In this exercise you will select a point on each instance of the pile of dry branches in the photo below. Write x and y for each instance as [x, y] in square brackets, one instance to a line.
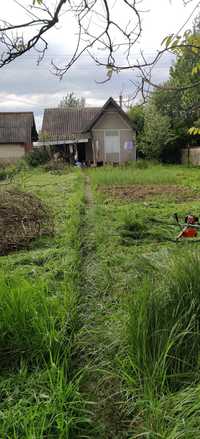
[23, 218]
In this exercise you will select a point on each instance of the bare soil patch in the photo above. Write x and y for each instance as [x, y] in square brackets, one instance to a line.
[23, 217]
[146, 192]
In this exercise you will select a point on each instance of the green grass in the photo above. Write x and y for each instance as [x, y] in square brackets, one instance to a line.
[162, 366]
[164, 322]
[99, 325]
[147, 314]
[42, 404]
[39, 293]
[155, 174]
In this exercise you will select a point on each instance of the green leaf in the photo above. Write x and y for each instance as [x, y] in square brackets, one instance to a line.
[195, 50]
[167, 40]
[109, 71]
[196, 69]
[37, 1]
[194, 131]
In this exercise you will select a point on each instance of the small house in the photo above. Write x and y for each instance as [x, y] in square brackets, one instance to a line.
[17, 133]
[97, 134]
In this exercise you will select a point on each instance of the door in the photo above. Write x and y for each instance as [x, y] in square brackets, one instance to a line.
[112, 145]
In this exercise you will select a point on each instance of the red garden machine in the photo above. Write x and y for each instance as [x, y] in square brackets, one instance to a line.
[189, 229]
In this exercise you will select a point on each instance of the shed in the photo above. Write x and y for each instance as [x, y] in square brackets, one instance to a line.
[17, 133]
[100, 134]
[191, 155]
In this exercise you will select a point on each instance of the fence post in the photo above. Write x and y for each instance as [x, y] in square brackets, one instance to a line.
[188, 155]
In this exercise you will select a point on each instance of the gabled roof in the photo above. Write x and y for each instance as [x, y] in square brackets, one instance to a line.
[17, 127]
[102, 110]
[70, 123]
[62, 123]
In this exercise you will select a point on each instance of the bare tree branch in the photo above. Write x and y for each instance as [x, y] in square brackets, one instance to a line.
[113, 34]
[107, 38]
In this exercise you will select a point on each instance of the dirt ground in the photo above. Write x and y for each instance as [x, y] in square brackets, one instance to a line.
[145, 192]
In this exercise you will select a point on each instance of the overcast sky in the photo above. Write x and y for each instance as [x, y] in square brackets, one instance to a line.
[24, 86]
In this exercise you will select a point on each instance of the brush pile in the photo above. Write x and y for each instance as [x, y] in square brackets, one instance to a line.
[23, 217]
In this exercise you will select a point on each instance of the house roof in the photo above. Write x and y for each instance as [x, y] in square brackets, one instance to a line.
[18, 127]
[68, 123]
[62, 123]
[109, 102]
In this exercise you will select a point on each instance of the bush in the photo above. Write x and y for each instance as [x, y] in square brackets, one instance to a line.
[142, 164]
[21, 165]
[37, 157]
[7, 171]
[55, 166]
[3, 174]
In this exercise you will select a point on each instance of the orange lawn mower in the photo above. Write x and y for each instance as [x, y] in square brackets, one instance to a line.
[189, 229]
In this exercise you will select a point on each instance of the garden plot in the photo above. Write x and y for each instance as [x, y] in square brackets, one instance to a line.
[139, 192]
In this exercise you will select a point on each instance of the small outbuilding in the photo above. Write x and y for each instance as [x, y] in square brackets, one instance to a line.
[98, 135]
[191, 156]
[17, 134]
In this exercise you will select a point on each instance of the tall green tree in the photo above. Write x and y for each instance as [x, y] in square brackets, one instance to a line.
[136, 115]
[178, 103]
[71, 100]
[184, 76]
[157, 137]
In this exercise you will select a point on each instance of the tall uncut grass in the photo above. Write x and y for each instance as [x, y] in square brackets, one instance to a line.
[150, 175]
[39, 292]
[40, 405]
[155, 174]
[164, 349]
[32, 320]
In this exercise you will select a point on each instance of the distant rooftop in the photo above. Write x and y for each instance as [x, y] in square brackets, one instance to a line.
[60, 123]
[17, 127]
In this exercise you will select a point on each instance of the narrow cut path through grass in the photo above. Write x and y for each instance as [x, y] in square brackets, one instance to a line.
[100, 386]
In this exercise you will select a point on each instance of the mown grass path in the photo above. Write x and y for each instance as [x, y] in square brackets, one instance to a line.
[100, 385]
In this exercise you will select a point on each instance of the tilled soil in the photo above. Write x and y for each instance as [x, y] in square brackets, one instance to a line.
[143, 192]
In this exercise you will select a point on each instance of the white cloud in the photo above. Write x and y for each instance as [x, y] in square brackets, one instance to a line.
[24, 86]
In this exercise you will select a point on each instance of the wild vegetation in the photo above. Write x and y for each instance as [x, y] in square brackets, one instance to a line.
[100, 322]
[39, 293]
[147, 288]
[169, 119]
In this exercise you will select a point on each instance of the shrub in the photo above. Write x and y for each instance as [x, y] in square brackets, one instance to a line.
[7, 171]
[21, 165]
[37, 157]
[142, 164]
[3, 174]
[55, 166]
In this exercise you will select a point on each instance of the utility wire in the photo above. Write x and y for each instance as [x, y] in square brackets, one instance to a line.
[26, 9]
